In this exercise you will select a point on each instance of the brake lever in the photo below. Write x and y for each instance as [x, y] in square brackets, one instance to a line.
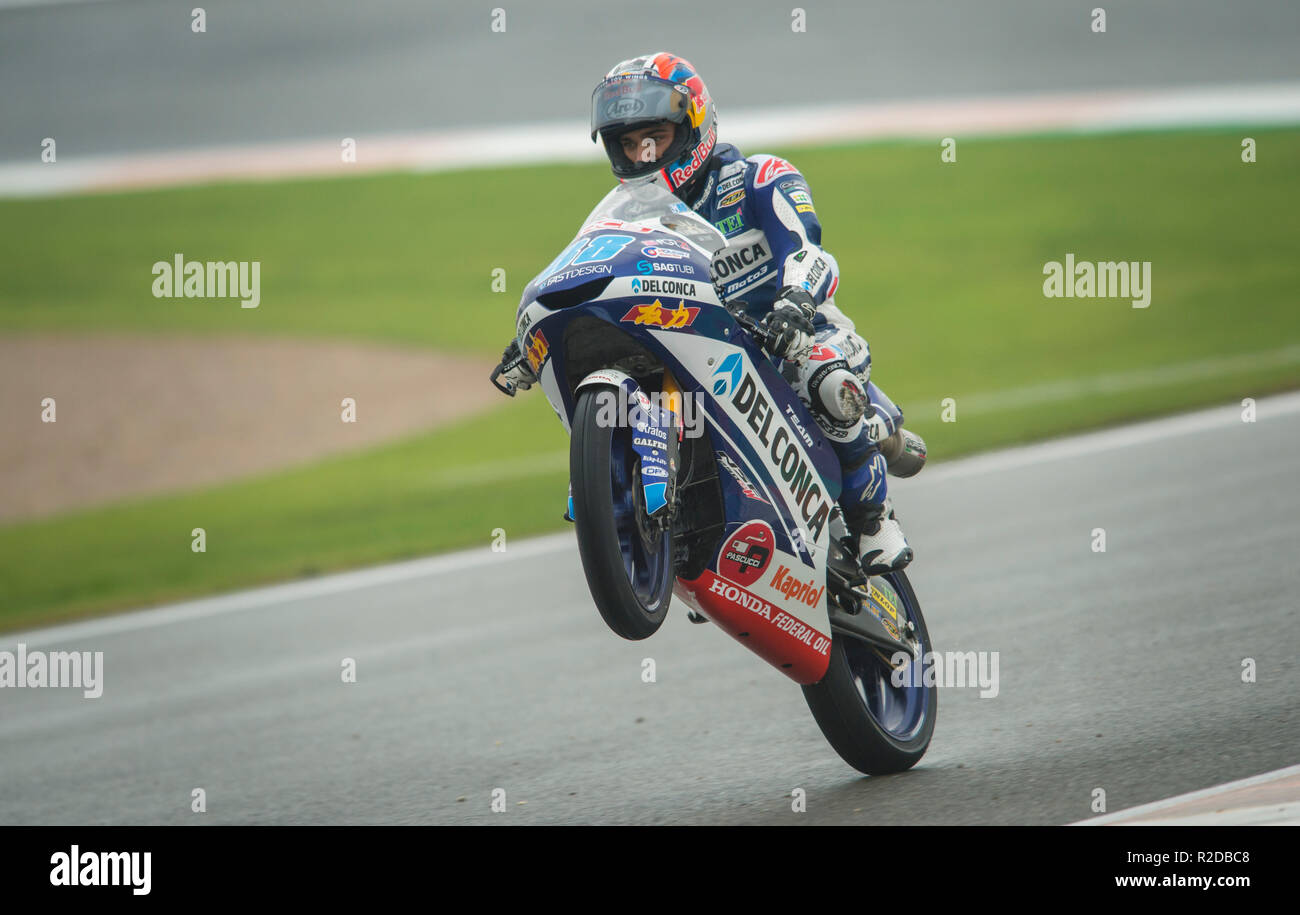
[737, 310]
[507, 388]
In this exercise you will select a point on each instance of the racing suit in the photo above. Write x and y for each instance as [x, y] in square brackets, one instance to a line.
[764, 208]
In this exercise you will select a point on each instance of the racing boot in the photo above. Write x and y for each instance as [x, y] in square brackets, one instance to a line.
[879, 538]
[869, 514]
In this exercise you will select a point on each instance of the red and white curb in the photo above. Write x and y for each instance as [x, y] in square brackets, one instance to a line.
[1271, 799]
[1247, 106]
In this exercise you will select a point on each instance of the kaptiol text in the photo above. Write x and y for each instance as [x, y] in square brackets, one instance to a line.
[1101, 280]
[103, 868]
[180, 278]
[23, 669]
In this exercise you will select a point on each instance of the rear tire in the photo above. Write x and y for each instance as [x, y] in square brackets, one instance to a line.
[840, 706]
[629, 574]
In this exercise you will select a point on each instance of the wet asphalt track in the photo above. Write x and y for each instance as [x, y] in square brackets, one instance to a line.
[1118, 670]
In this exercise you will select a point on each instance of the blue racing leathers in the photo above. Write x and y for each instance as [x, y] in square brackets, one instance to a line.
[764, 207]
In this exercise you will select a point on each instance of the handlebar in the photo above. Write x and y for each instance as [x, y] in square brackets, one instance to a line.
[737, 310]
[506, 388]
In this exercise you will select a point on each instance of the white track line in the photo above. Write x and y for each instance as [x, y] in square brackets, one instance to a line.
[994, 462]
[1109, 439]
[286, 593]
[1123, 382]
[568, 141]
[1141, 813]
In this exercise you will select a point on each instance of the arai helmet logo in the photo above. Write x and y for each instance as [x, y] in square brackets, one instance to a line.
[730, 376]
[624, 108]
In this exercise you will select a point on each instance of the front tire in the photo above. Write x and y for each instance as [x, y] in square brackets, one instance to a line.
[874, 726]
[626, 557]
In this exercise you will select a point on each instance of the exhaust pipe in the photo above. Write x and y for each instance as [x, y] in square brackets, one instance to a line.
[904, 452]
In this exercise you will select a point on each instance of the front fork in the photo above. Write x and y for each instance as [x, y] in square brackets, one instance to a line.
[657, 433]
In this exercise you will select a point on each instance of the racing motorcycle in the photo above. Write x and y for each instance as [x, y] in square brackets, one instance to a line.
[734, 513]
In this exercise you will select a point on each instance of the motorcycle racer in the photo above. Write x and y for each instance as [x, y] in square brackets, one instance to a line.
[658, 123]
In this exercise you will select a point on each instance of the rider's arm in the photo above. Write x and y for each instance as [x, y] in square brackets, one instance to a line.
[784, 205]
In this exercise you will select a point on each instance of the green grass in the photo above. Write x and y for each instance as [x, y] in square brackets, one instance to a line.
[941, 268]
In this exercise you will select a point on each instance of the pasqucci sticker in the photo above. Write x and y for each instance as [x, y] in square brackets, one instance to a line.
[745, 555]
[656, 315]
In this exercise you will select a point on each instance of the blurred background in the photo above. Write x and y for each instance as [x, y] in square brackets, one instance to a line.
[472, 156]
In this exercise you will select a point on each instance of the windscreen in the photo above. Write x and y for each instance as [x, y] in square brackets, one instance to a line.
[646, 202]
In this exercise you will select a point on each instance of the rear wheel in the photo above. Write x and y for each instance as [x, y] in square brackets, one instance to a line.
[626, 555]
[877, 727]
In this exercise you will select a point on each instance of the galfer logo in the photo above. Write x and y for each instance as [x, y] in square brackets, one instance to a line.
[730, 372]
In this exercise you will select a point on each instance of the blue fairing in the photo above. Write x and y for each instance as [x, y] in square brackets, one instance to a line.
[653, 286]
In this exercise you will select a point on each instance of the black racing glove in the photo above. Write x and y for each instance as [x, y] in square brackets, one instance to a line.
[788, 325]
[515, 368]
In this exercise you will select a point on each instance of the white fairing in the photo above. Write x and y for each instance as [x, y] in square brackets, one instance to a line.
[702, 356]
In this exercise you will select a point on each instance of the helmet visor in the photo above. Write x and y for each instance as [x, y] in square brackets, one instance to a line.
[636, 99]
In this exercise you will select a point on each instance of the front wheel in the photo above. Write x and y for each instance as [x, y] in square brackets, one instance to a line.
[626, 555]
[875, 723]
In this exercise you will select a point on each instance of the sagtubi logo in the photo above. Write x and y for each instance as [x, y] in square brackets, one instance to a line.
[686, 268]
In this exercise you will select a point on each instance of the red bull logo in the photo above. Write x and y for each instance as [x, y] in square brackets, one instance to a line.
[680, 175]
[536, 351]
